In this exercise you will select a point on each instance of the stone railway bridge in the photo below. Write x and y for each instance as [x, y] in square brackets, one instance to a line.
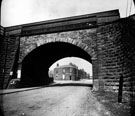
[103, 39]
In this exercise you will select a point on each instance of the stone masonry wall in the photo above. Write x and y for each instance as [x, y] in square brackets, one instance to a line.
[128, 48]
[109, 55]
[116, 55]
[85, 39]
[8, 53]
[2, 54]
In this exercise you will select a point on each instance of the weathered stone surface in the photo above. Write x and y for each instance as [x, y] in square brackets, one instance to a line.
[80, 38]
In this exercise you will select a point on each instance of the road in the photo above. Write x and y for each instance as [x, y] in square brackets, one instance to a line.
[63, 99]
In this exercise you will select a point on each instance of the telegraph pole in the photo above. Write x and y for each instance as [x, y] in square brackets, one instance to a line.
[120, 89]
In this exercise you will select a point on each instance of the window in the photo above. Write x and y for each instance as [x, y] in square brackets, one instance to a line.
[64, 70]
[56, 71]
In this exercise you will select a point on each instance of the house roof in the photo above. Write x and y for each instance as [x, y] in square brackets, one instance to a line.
[67, 66]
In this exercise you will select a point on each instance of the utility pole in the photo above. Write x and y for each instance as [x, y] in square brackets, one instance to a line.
[120, 89]
[134, 2]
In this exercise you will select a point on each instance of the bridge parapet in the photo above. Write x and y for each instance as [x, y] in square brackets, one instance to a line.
[64, 24]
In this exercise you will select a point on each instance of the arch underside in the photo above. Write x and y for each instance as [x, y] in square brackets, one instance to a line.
[36, 64]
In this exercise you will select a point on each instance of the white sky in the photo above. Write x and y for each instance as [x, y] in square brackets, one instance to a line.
[81, 63]
[15, 12]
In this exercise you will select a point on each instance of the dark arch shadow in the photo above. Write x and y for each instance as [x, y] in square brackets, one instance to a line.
[36, 64]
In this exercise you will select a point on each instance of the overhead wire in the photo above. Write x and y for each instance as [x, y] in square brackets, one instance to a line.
[127, 8]
[130, 8]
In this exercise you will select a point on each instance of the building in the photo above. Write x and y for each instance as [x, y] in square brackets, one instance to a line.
[66, 72]
[69, 72]
[82, 74]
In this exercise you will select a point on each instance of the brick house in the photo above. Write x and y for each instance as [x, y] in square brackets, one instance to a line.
[66, 72]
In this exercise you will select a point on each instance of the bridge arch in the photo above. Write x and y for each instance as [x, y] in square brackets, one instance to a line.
[36, 63]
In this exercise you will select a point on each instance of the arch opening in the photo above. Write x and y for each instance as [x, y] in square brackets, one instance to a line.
[36, 64]
[68, 67]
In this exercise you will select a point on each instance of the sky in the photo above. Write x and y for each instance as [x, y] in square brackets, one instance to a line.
[81, 63]
[15, 12]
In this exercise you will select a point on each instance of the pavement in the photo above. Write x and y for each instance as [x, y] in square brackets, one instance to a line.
[10, 91]
[56, 82]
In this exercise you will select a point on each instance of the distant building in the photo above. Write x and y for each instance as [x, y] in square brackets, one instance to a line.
[69, 72]
[82, 74]
[66, 72]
